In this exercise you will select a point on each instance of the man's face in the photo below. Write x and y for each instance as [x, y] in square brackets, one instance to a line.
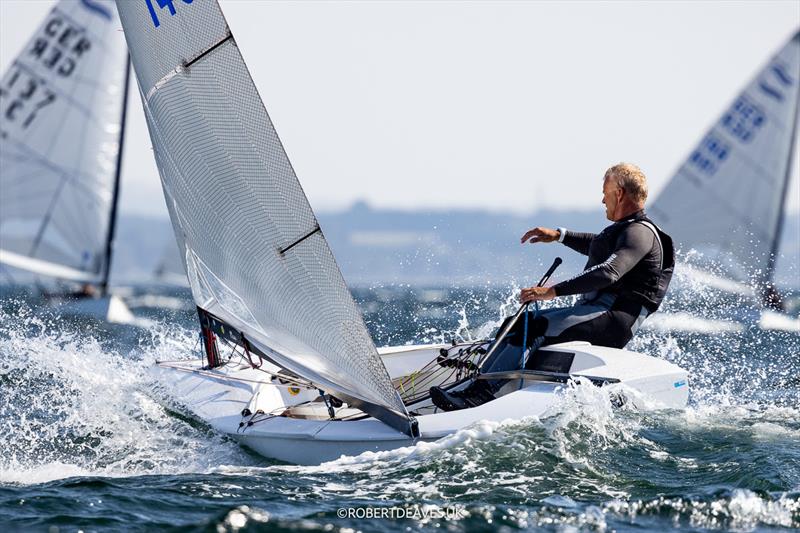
[612, 194]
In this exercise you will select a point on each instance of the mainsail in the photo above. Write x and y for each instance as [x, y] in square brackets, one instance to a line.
[253, 249]
[62, 105]
[729, 196]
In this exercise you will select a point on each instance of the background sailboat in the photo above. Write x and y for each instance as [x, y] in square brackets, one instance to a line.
[62, 118]
[727, 200]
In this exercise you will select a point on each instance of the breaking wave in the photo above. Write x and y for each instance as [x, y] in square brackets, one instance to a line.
[74, 404]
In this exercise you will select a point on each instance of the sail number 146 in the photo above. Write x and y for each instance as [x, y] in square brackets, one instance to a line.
[169, 4]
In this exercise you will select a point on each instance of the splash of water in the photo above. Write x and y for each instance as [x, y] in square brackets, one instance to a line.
[71, 405]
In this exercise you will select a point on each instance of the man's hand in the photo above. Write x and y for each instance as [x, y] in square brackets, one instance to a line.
[532, 294]
[540, 235]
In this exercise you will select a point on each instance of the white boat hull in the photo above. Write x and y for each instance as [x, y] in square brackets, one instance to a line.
[219, 397]
[108, 308]
[773, 320]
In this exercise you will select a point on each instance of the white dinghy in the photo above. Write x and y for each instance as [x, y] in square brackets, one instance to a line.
[728, 199]
[289, 368]
[62, 119]
[288, 420]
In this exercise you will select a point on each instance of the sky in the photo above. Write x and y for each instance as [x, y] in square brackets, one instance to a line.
[508, 106]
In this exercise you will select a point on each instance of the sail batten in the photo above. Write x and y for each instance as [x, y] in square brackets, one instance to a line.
[61, 105]
[236, 205]
[727, 199]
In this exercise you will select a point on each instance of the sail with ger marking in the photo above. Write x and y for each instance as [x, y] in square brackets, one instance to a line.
[728, 197]
[254, 254]
[61, 114]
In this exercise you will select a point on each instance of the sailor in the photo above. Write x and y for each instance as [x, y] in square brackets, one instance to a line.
[629, 268]
[87, 290]
[772, 299]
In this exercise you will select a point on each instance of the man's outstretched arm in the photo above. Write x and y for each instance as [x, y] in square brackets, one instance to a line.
[632, 245]
[577, 241]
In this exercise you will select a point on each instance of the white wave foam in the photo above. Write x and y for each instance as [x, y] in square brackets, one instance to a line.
[72, 406]
[778, 321]
[686, 322]
[747, 423]
[41, 473]
[742, 510]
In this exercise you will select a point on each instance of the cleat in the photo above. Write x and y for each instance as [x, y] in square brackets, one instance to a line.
[476, 393]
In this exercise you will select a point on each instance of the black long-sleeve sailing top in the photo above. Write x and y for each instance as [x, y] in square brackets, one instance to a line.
[627, 258]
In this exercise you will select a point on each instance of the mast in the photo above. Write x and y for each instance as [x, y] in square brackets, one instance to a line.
[771, 296]
[115, 198]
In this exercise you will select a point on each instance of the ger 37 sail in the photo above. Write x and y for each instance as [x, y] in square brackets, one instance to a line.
[62, 118]
[728, 199]
[290, 369]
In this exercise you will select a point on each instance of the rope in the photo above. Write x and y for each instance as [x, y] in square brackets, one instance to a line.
[444, 369]
[525, 348]
[255, 418]
[246, 356]
[331, 412]
[524, 343]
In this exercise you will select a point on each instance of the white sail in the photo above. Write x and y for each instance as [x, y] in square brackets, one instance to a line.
[253, 250]
[727, 199]
[61, 106]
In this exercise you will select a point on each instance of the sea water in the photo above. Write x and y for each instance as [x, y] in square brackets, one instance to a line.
[90, 441]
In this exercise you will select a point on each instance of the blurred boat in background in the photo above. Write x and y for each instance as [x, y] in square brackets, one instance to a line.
[62, 123]
[725, 207]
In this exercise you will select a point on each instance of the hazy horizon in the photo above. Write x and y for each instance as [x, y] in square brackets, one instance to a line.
[509, 107]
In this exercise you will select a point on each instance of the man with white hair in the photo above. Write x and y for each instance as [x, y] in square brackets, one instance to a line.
[629, 268]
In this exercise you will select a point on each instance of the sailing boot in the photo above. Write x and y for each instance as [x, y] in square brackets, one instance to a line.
[476, 393]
